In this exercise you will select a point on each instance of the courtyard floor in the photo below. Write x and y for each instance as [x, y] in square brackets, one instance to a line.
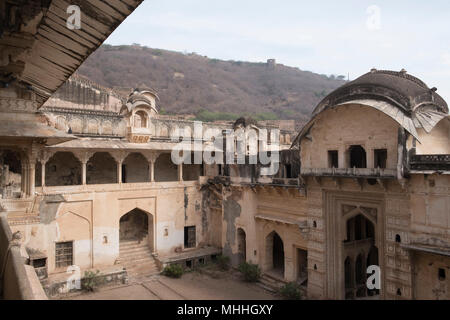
[195, 285]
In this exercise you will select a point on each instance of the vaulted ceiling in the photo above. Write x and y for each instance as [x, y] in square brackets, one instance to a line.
[37, 49]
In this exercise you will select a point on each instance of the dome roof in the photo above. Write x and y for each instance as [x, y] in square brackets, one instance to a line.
[403, 97]
[140, 97]
[398, 88]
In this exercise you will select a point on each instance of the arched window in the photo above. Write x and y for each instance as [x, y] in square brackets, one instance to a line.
[140, 119]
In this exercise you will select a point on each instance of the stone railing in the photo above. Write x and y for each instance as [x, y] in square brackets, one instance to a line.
[430, 162]
[114, 187]
[285, 182]
[17, 280]
[22, 205]
[350, 172]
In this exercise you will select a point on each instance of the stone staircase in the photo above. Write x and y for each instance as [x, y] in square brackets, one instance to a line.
[271, 283]
[21, 211]
[137, 258]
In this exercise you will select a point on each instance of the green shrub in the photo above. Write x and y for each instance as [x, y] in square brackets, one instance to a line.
[223, 262]
[291, 291]
[173, 271]
[91, 280]
[250, 271]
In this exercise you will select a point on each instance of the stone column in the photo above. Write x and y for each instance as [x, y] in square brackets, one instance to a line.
[43, 163]
[43, 159]
[83, 172]
[151, 174]
[32, 177]
[180, 172]
[151, 158]
[119, 171]
[23, 174]
[30, 168]
[83, 156]
[119, 156]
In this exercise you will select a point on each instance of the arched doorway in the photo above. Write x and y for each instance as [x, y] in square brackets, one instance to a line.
[242, 245]
[360, 252]
[10, 174]
[134, 225]
[135, 168]
[136, 243]
[348, 274]
[275, 254]
[63, 169]
[357, 157]
[372, 260]
[101, 169]
[165, 169]
[360, 276]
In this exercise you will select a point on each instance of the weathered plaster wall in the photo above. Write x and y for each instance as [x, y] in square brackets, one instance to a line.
[428, 285]
[430, 209]
[339, 128]
[435, 142]
[91, 219]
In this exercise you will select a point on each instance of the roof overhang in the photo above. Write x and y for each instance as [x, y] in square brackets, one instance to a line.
[29, 130]
[443, 251]
[39, 51]
[422, 118]
[117, 144]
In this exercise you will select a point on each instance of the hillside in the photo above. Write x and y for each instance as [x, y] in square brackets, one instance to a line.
[210, 88]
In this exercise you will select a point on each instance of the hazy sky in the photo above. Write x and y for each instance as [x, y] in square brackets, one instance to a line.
[323, 36]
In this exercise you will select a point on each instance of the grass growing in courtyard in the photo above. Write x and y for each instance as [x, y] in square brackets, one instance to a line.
[91, 281]
[291, 291]
[251, 271]
[173, 271]
[223, 262]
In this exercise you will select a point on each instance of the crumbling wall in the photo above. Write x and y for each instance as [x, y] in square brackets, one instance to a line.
[192, 172]
[428, 285]
[437, 141]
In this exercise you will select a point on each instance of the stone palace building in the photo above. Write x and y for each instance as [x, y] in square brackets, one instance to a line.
[87, 179]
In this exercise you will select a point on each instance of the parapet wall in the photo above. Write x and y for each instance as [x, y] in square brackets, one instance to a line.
[16, 282]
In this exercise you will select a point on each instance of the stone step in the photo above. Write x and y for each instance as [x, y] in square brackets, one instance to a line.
[144, 269]
[270, 288]
[135, 256]
[134, 244]
[136, 261]
[134, 249]
[271, 283]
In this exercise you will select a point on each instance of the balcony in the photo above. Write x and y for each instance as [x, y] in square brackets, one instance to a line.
[368, 173]
[430, 162]
[138, 135]
[259, 182]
